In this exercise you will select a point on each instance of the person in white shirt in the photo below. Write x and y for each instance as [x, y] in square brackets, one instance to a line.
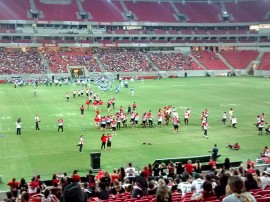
[18, 124]
[37, 122]
[184, 186]
[234, 121]
[130, 172]
[80, 144]
[197, 183]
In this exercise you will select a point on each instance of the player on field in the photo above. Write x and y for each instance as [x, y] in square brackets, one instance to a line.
[74, 93]
[175, 124]
[109, 142]
[37, 122]
[82, 110]
[160, 117]
[67, 96]
[132, 90]
[224, 118]
[186, 117]
[60, 122]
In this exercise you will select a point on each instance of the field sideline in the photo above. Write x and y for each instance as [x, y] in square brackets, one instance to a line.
[46, 151]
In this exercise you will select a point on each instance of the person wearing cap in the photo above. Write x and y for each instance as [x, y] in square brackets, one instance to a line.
[72, 193]
[265, 179]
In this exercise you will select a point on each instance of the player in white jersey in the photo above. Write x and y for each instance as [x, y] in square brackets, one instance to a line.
[224, 118]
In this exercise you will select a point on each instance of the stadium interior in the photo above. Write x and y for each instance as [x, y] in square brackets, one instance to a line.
[142, 38]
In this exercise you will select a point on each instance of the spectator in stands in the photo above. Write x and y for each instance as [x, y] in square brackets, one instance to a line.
[73, 192]
[140, 186]
[265, 179]
[90, 178]
[152, 187]
[75, 176]
[25, 197]
[236, 146]
[122, 174]
[38, 195]
[212, 164]
[13, 184]
[206, 193]
[220, 189]
[250, 182]
[130, 172]
[33, 185]
[197, 183]
[197, 166]
[117, 188]
[184, 186]
[23, 186]
[164, 194]
[103, 193]
[227, 164]
[235, 191]
[188, 167]
[10, 197]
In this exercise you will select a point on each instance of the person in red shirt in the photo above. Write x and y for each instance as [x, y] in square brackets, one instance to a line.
[100, 103]
[75, 176]
[87, 103]
[103, 141]
[236, 146]
[33, 185]
[134, 106]
[55, 181]
[97, 121]
[212, 164]
[95, 103]
[188, 167]
[114, 176]
[249, 162]
[82, 110]
[13, 184]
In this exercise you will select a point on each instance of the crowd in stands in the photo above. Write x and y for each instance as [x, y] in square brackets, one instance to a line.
[172, 61]
[21, 62]
[58, 60]
[174, 182]
[16, 61]
[123, 61]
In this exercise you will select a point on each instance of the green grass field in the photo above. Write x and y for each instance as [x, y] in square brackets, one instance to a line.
[46, 151]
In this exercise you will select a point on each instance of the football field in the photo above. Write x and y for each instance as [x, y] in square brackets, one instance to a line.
[46, 151]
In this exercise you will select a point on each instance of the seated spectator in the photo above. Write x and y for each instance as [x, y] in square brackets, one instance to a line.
[235, 191]
[250, 182]
[236, 146]
[152, 187]
[103, 193]
[206, 193]
[72, 193]
[48, 197]
[164, 194]
[25, 197]
[90, 178]
[10, 197]
[117, 188]
[139, 186]
[220, 189]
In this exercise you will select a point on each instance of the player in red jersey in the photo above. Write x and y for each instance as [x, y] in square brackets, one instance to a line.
[134, 106]
[160, 117]
[82, 110]
[87, 103]
[97, 121]
[100, 103]
[95, 103]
